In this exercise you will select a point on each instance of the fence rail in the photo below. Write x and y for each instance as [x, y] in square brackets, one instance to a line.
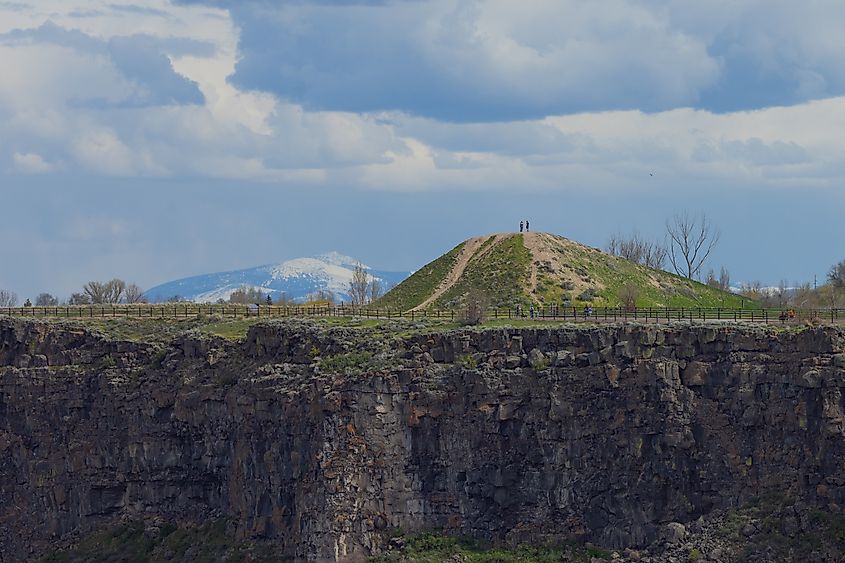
[571, 314]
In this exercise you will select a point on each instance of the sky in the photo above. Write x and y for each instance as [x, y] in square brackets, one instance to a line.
[157, 139]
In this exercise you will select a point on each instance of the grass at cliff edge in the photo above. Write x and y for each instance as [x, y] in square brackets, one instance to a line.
[433, 548]
[136, 542]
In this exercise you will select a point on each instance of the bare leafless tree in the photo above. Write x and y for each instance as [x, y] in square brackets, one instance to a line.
[322, 296]
[723, 282]
[8, 298]
[246, 294]
[375, 289]
[711, 279]
[105, 292]
[79, 299]
[724, 279]
[803, 295]
[359, 285]
[836, 275]
[780, 295]
[691, 240]
[46, 300]
[134, 294]
[636, 248]
[284, 299]
[752, 290]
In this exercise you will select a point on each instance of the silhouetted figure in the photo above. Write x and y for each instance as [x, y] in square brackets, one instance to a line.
[526, 226]
[520, 226]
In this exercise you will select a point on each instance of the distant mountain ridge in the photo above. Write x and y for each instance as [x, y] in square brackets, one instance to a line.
[297, 279]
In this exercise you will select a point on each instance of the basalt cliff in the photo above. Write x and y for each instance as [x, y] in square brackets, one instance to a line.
[322, 440]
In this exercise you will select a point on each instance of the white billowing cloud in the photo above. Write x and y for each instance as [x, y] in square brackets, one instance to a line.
[86, 86]
[785, 144]
[31, 163]
[102, 151]
[551, 54]
[84, 76]
[795, 145]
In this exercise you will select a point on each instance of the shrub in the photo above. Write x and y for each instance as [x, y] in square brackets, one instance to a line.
[340, 363]
[628, 296]
[158, 358]
[467, 361]
[541, 364]
[588, 294]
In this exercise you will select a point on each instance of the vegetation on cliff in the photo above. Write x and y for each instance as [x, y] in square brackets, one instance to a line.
[433, 548]
[138, 542]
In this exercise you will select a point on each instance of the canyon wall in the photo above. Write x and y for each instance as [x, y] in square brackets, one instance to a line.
[323, 440]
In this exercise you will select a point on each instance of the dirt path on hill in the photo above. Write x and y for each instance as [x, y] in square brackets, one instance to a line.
[464, 256]
[539, 245]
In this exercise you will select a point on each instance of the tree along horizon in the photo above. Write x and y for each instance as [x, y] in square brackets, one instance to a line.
[364, 288]
[691, 240]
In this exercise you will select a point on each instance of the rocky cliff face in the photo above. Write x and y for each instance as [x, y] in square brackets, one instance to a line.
[322, 440]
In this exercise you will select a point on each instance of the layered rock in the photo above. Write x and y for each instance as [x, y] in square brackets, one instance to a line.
[322, 440]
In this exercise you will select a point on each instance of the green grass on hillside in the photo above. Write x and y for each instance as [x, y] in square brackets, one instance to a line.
[500, 270]
[432, 548]
[615, 273]
[421, 284]
[501, 274]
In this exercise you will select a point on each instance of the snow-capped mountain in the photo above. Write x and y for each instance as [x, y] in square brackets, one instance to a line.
[297, 279]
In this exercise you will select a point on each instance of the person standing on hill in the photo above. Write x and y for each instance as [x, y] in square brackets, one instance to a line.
[520, 226]
[526, 226]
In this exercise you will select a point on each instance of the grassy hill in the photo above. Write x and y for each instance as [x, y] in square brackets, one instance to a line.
[544, 269]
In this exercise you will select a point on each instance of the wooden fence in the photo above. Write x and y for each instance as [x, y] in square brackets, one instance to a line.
[570, 314]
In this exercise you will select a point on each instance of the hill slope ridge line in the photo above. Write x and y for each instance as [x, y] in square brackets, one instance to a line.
[510, 269]
[461, 261]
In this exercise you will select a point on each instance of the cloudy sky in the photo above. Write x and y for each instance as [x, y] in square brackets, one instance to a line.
[158, 139]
